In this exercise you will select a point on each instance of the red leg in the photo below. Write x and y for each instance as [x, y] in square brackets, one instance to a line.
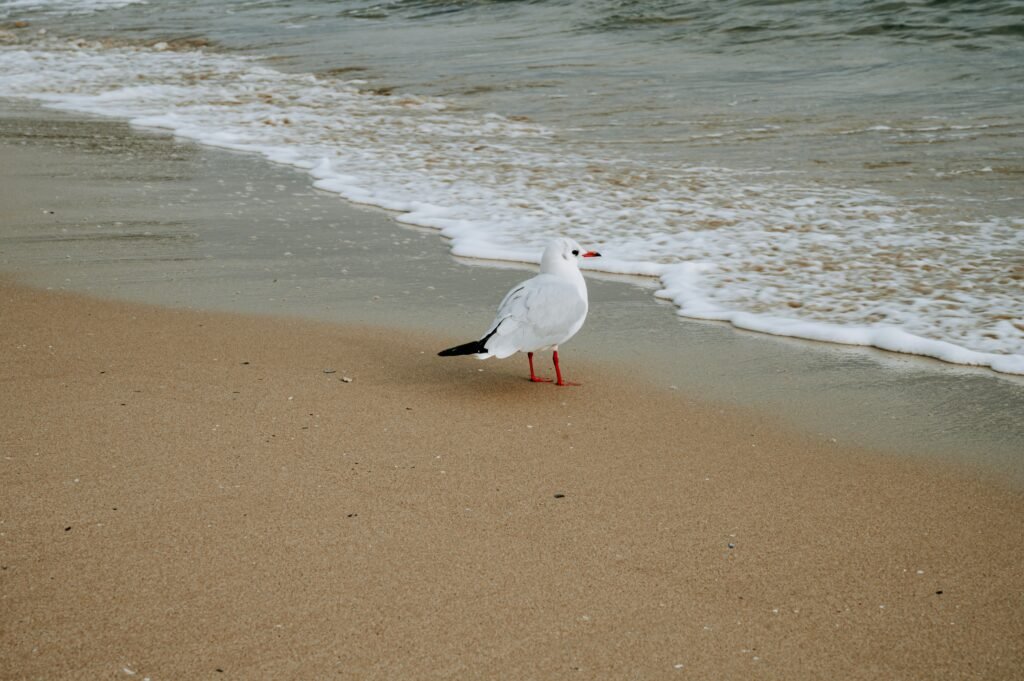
[558, 371]
[533, 376]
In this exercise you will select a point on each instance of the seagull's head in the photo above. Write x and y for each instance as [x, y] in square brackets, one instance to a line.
[563, 251]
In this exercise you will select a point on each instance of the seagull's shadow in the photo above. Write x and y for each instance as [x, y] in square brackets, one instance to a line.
[508, 379]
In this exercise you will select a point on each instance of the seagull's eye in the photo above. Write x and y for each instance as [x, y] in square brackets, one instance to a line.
[575, 252]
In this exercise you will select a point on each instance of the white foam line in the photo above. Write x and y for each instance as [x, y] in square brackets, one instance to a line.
[682, 287]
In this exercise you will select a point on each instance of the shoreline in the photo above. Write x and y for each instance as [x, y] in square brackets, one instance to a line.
[191, 489]
[141, 216]
[843, 241]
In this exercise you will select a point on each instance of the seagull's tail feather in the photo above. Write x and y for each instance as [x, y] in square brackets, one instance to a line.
[472, 348]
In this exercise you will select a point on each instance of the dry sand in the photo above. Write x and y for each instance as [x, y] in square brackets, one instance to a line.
[195, 495]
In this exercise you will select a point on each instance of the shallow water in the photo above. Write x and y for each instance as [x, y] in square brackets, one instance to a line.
[847, 172]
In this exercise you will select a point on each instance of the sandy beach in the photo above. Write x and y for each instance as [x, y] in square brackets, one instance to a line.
[211, 494]
[186, 493]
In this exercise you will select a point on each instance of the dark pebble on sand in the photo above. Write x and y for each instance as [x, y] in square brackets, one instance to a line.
[559, 496]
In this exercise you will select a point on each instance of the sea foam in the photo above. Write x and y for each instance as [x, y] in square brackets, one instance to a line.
[756, 249]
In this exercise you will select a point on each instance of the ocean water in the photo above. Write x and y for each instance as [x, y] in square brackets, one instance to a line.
[849, 172]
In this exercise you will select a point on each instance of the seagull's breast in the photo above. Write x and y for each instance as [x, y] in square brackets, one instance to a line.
[559, 310]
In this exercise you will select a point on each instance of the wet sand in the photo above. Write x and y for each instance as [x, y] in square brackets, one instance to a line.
[193, 494]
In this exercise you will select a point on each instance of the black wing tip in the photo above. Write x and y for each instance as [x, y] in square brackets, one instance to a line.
[471, 348]
[465, 349]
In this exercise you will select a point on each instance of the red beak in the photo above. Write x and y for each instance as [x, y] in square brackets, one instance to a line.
[591, 254]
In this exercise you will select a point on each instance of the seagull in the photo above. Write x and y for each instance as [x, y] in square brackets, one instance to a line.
[540, 313]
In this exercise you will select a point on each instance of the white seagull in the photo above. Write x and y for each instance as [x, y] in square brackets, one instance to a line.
[540, 313]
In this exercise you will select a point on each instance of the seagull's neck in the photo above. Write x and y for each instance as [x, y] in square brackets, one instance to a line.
[566, 270]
